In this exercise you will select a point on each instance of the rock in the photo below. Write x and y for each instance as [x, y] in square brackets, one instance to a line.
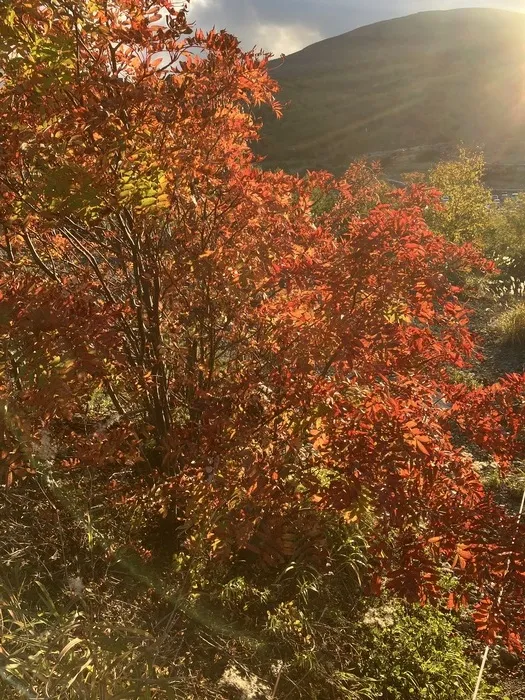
[248, 686]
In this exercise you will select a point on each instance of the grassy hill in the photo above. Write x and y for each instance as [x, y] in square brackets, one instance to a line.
[431, 78]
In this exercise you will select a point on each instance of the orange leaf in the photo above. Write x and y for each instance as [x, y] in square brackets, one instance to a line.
[421, 447]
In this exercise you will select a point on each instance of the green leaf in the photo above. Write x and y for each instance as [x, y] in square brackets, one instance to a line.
[148, 202]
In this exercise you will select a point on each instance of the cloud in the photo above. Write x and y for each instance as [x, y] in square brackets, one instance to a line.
[285, 39]
[279, 27]
[285, 26]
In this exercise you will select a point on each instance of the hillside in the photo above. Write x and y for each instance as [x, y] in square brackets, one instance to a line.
[434, 77]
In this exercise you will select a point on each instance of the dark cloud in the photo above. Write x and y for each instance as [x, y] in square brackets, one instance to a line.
[288, 25]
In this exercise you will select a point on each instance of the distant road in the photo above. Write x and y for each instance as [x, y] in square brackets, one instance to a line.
[508, 191]
[396, 182]
[496, 193]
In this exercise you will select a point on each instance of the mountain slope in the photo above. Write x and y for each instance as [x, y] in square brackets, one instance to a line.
[433, 77]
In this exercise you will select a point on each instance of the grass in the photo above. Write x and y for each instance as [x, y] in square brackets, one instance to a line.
[510, 326]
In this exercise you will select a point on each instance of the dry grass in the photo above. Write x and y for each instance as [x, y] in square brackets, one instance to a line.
[510, 326]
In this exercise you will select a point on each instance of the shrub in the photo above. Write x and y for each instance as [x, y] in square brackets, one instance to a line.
[416, 652]
[466, 216]
[264, 364]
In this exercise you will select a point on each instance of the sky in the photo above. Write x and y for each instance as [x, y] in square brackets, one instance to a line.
[285, 26]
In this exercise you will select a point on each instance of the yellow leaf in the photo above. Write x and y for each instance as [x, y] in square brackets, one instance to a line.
[163, 201]
[207, 254]
[349, 517]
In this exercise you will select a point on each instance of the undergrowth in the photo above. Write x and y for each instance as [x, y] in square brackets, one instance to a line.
[84, 614]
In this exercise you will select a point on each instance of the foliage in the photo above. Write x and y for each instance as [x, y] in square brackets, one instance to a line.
[505, 237]
[466, 216]
[416, 652]
[82, 619]
[505, 242]
[78, 653]
[227, 359]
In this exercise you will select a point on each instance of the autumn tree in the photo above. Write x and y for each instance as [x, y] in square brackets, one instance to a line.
[466, 214]
[505, 240]
[266, 363]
